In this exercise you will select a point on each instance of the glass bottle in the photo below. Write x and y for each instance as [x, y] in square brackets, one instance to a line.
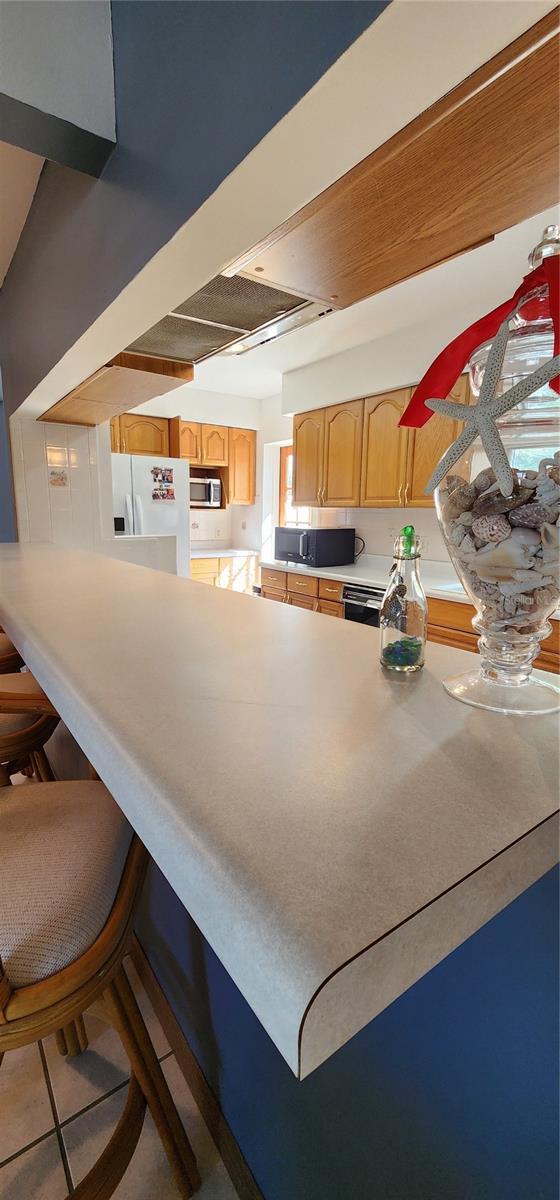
[507, 551]
[403, 616]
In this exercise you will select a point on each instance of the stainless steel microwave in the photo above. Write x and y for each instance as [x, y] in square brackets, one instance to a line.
[205, 493]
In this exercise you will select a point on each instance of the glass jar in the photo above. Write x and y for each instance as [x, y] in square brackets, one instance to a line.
[403, 616]
[506, 549]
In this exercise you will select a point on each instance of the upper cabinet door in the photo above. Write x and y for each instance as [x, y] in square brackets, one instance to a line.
[215, 445]
[309, 441]
[115, 434]
[242, 466]
[342, 455]
[185, 439]
[426, 446]
[143, 434]
[384, 450]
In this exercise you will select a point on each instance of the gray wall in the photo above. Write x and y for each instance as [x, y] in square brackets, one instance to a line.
[58, 57]
[197, 85]
[7, 506]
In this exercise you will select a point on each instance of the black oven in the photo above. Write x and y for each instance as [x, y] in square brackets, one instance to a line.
[362, 603]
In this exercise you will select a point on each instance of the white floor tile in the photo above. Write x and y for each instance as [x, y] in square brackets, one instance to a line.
[148, 1174]
[37, 1174]
[24, 1100]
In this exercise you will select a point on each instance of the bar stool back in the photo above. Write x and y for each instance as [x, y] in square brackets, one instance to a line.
[27, 720]
[63, 952]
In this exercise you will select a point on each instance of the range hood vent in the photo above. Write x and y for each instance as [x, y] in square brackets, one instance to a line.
[232, 314]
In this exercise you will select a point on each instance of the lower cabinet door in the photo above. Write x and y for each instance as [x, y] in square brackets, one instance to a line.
[273, 594]
[302, 602]
[330, 608]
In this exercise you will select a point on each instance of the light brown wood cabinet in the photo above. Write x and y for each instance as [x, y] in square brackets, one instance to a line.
[302, 591]
[215, 445]
[327, 456]
[135, 433]
[242, 466]
[185, 440]
[426, 446]
[309, 442]
[237, 574]
[449, 621]
[342, 455]
[368, 460]
[384, 450]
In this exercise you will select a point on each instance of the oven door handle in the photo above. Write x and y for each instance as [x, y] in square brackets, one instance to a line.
[363, 603]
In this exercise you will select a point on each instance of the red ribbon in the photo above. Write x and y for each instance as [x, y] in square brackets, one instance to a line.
[436, 384]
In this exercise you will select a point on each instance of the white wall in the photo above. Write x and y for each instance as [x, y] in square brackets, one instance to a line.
[215, 408]
[59, 58]
[79, 515]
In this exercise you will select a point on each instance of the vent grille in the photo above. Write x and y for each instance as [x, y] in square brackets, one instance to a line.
[186, 341]
[240, 303]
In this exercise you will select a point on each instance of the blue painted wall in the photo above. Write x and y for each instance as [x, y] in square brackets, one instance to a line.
[197, 86]
[450, 1094]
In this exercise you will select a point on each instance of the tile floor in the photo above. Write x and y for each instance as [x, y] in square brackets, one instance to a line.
[58, 1114]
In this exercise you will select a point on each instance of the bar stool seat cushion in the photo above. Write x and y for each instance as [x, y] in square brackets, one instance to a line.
[62, 854]
[13, 722]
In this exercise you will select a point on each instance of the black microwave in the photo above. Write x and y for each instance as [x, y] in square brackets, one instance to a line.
[314, 547]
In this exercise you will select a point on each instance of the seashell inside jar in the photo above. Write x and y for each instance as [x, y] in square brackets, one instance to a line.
[506, 551]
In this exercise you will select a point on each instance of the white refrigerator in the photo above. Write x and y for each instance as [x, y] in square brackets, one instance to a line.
[151, 498]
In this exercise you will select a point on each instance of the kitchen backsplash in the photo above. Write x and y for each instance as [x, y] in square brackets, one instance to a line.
[208, 526]
[380, 526]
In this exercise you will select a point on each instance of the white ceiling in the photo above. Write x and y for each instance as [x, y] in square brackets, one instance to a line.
[19, 176]
[479, 279]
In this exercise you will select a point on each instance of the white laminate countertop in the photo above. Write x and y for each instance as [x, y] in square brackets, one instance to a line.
[334, 831]
[221, 552]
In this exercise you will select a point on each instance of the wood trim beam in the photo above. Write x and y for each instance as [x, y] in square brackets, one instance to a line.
[446, 182]
[159, 366]
[52, 137]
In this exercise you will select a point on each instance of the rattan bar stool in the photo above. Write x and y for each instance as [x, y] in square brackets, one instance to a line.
[66, 919]
[10, 658]
[27, 720]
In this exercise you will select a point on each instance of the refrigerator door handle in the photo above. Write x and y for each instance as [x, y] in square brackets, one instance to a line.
[128, 517]
[138, 515]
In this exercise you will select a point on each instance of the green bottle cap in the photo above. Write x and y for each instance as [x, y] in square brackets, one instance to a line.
[406, 545]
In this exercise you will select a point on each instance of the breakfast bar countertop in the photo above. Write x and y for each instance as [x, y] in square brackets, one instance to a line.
[333, 831]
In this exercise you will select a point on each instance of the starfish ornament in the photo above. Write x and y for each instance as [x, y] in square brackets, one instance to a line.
[480, 419]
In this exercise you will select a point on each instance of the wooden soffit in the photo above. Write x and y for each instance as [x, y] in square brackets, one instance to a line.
[124, 383]
[479, 161]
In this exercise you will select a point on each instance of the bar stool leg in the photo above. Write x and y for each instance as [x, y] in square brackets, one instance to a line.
[128, 1020]
[42, 766]
[72, 1039]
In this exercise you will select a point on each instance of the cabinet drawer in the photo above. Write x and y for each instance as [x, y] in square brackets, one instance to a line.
[304, 585]
[204, 566]
[273, 594]
[330, 608]
[302, 601]
[330, 589]
[273, 579]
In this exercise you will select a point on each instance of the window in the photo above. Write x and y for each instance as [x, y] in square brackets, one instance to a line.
[289, 513]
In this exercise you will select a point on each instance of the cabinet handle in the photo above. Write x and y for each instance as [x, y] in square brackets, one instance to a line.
[406, 493]
[318, 495]
[400, 493]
